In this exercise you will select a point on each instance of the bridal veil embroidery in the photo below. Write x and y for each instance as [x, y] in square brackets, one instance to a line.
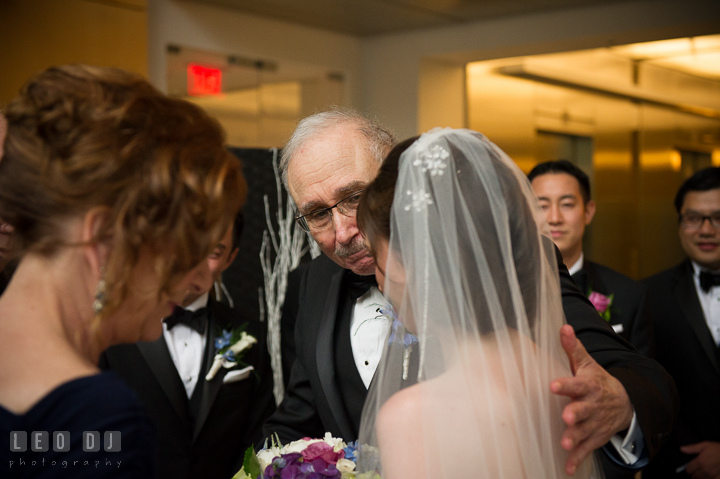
[472, 275]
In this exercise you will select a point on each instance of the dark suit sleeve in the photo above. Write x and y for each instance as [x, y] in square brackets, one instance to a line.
[297, 415]
[263, 399]
[641, 334]
[650, 388]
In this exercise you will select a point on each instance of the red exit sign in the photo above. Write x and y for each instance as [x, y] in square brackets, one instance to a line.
[203, 80]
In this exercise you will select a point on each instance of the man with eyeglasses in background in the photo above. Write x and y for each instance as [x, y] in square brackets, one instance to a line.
[684, 304]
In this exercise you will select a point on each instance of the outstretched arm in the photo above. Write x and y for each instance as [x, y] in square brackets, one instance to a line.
[600, 406]
[650, 389]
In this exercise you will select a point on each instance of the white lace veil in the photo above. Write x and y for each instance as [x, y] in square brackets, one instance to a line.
[471, 276]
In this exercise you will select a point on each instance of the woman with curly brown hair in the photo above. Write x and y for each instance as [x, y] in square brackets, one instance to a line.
[115, 193]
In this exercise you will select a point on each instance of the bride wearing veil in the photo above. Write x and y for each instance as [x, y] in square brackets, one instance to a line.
[462, 255]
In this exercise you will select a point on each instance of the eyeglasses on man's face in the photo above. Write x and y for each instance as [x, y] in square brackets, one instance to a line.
[320, 220]
[694, 221]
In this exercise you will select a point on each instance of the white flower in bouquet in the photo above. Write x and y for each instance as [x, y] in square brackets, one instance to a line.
[335, 442]
[297, 446]
[345, 465]
[265, 456]
[329, 457]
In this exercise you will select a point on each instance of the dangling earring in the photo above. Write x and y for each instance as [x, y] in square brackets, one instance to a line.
[100, 297]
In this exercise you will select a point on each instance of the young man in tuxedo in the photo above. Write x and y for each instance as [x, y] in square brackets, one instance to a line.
[684, 304]
[329, 159]
[563, 191]
[203, 425]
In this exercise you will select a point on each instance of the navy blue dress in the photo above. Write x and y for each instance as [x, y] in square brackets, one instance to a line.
[94, 404]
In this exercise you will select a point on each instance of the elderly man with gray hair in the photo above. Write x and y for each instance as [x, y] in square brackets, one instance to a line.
[339, 333]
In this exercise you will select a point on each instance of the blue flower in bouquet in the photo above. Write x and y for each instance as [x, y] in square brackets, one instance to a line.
[351, 451]
[229, 355]
[302, 459]
[291, 466]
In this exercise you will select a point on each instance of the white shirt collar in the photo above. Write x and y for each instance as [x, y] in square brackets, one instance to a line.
[697, 269]
[578, 264]
[201, 302]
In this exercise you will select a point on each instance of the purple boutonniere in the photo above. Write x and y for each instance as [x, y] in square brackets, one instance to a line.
[602, 303]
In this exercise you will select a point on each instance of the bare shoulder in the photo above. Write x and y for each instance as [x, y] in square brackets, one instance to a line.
[401, 406]
[400, 435]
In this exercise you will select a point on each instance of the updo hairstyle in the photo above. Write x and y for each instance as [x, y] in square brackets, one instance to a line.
[82, 137]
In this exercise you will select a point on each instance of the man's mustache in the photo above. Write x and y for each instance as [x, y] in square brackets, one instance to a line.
[346, 250]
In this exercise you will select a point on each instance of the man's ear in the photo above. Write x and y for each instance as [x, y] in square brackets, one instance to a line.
[589, 212]
[230, 258]
[94, 237]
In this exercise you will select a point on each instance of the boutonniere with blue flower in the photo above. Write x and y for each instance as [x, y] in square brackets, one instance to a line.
[398, 334]
[230, 347]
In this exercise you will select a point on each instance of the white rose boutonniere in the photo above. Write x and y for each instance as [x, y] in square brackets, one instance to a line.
[229, 349]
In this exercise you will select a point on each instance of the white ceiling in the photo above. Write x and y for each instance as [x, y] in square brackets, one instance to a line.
[373, 17]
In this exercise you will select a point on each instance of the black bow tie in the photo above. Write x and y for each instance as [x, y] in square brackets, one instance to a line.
[358, 285]
[708, 280]
[191, 319]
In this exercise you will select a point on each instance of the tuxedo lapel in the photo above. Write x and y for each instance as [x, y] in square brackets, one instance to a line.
[686, 295]
[157, 355]
[593, 280]
[581, 280]
[325, 355]
[210, 388]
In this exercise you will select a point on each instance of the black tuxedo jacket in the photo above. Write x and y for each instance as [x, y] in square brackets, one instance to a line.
[628, 308]
[685, 347]
[313, 402]
[287, 320]
[230, 416]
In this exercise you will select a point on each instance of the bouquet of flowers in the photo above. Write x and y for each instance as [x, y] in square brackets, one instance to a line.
[307, 458]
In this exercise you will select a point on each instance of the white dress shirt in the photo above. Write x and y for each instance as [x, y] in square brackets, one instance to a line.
[368, 333]
[710, 303]
[578, 264]
[186, 348]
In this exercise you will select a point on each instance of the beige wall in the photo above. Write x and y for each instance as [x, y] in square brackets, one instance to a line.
[634, 164]
[392, 65]
[230, 32]
[37, 34]
[403, 78]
